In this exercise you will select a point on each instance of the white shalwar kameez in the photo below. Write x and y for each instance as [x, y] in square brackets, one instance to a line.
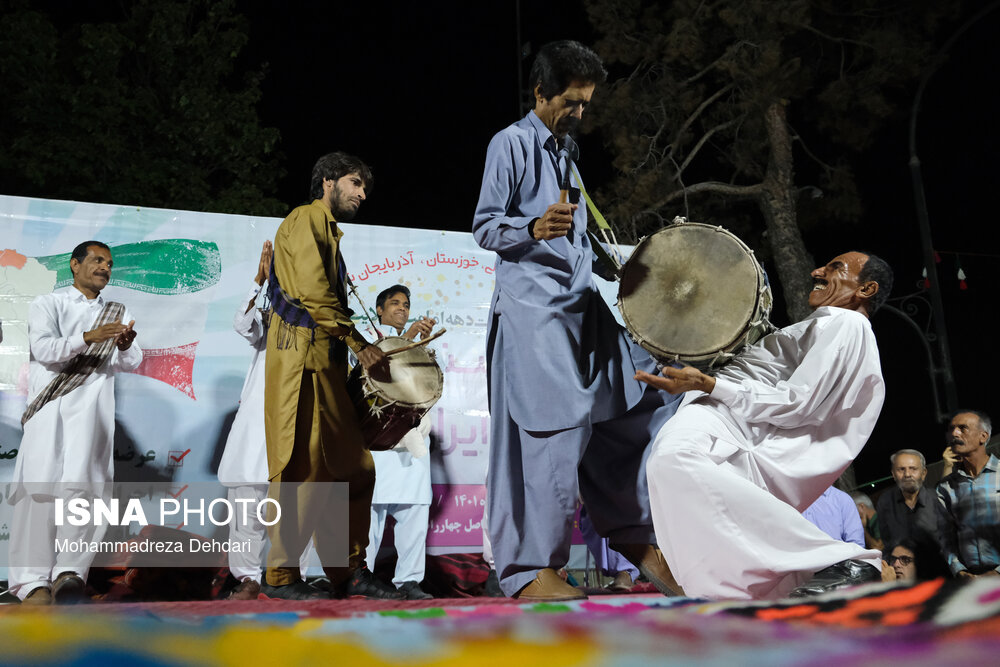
[243, 467]
[69, 441]
[403, 491]
[731, 472]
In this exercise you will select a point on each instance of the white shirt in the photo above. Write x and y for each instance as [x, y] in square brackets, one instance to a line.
[244, 460]
[71, 438]
[816, 384]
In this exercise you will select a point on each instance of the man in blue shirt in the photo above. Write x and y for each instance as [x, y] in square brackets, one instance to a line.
[563, 398]
[970, 498]
[835, 514]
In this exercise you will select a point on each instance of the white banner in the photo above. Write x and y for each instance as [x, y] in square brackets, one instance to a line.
[183, 274]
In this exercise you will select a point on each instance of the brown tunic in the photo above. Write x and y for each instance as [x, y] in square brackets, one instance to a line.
[310, 421]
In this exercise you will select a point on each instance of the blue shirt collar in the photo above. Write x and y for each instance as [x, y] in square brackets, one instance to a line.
[545, 137]
[992, 464]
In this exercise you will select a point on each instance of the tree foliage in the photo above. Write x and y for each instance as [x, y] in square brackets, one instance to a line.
[752, 113]
[151, 105]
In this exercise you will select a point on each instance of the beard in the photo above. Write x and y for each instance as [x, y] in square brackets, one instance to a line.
[343, 208]
[909, 485]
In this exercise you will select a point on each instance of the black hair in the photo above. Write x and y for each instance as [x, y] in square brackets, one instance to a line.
[80, 252]
[906, 543]
[384, 295]
[876, 270]
[922, 558]
[558, 64]
[334, 166]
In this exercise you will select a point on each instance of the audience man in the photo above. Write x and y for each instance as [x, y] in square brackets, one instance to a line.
[836, 515]
[970, 499]
[869, 520]
[910, 510]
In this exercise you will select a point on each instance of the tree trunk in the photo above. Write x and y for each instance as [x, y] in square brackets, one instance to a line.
[777, 203]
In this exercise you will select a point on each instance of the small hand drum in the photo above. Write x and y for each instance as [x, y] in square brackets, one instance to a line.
[388, 408]
[694, 293]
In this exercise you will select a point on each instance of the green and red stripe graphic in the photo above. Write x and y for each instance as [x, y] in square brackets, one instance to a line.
[164, 266]
[172, 365]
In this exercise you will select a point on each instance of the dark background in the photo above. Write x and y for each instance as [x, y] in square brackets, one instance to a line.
[418, 89]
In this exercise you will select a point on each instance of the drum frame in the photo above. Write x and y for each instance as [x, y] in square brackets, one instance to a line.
[753, 330]
[394, 418]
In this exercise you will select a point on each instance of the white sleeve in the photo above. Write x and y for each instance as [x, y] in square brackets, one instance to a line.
[249, 324]
[44, 341]
[415, 439]
[839, 371]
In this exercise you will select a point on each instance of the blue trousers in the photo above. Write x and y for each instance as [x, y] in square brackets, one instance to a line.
[535, 478]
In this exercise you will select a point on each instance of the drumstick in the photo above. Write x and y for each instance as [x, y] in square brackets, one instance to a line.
[415, 343]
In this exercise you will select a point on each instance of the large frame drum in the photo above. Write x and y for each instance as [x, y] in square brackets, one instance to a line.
[694, 293]
[388, 408]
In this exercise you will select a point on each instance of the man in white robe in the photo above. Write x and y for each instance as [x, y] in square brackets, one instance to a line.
[756, 444]
[68, 441]
[403, 473]
[243, 468]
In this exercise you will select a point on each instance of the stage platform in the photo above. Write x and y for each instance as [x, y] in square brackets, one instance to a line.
[930, 623]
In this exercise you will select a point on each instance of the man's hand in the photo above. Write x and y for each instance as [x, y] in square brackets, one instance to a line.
[264, 267]
[374, 361]
[678, 380]
[965, 574]
[125, 338]
[424, 326]
[106, 331]
[556, 222]
[949, 461]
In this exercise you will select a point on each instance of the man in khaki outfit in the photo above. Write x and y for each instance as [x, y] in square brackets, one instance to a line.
[312, 429]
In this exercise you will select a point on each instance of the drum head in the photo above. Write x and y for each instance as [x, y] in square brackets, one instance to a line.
[415, 378]
[689, 290]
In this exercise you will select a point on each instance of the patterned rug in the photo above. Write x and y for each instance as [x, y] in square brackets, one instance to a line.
[930, 623]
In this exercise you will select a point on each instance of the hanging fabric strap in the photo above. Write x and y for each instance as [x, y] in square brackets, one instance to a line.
[603, 256]
[80, 367]
[598, 218]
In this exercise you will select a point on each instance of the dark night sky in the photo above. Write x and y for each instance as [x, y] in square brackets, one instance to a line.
[418, 89]
[417, 93]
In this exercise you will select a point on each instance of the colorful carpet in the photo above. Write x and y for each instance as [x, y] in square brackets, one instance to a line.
[930, 623]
